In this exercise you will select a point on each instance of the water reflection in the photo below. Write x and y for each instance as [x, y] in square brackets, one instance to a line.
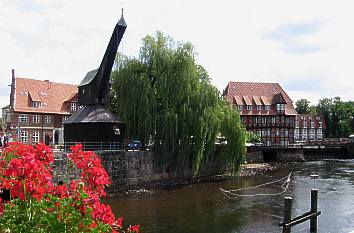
[203, 208]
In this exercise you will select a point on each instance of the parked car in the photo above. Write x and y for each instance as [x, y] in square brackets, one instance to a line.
[134, 145]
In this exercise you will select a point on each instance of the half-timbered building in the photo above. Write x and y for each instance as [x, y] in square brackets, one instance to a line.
[265, 109]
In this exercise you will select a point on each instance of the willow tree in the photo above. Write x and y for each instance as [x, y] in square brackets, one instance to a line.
[167, 100]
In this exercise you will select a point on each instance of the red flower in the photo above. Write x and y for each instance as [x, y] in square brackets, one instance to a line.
[134, 228]
[1, 207]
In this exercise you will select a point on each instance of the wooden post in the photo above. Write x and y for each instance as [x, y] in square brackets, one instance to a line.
[313, 220]
[288, 202]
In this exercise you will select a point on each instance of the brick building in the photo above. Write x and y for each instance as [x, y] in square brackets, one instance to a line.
[265, 109]
[308, 127]
[38, 108]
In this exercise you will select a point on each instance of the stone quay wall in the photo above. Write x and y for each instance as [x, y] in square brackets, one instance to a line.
[135, 170]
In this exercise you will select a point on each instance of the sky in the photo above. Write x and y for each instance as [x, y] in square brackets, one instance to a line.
[306, 46]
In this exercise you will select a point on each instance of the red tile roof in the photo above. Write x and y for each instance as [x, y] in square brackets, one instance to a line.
[265, 100]
[238, 100]
[51, 95]
[269, 93]
[256, 100]
[247, 100]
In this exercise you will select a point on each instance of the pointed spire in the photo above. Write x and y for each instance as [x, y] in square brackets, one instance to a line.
[122, 21]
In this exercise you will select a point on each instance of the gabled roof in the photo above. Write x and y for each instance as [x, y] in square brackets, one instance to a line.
[89, 77]
[269, 93]
[265, 100]
[92, 114]
[34, 96]
[51, 95]
[247, 100]
[238, 100]
[256, 100]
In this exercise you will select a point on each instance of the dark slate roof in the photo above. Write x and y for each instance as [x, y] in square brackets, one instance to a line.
[92, 114]
[122, 21]
[89, 77]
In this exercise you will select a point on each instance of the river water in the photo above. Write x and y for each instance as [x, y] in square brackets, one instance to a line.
[202, 208]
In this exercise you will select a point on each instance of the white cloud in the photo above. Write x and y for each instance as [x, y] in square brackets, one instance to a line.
[61, 40]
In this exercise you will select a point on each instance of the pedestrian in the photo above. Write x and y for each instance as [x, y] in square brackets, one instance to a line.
[1, 139]
[6, 139]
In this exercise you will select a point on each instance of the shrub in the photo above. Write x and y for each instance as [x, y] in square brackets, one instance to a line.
[36, 204]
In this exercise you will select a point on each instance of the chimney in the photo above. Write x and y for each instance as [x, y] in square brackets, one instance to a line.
[13, 90]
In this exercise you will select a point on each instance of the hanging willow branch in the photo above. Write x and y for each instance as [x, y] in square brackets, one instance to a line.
[166, 100]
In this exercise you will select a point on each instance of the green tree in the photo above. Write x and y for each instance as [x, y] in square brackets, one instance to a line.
[167, 100]
[338, 116]
[302, 106]
[253, 137]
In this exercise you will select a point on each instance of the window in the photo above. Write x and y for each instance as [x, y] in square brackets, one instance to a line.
[35, 136]
[312, 124]
[259, 132]
[36, 104]
[304, 131]
[22, 118]
[255, 120]
[23, 136]
[286, 132]
[47, 119]
[304, 136]
[320, 124]
[267, 107]
[277, 132]
[239, 107]
[305, 124]
[66, 117]
[35, 118]
[319, 136]
[249, 107]
[296, 131]
[268, 132]
[269, 143]
[280, 107]
[296, 124]
[312, 131]
[319, 131]
[73, 106]
[259, 107]
[273, 120]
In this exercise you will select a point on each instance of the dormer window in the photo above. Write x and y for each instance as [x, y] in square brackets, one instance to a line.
[267, 107]
[36, 104]
[280, 107]
[239, 107]
[249, 107]
[259, 107]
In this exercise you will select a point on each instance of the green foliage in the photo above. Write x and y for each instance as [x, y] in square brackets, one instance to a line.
[338, 116]
[166, 100]
[302, 106]
[253, 137]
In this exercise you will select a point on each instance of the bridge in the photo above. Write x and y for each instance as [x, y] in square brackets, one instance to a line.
[311, 150]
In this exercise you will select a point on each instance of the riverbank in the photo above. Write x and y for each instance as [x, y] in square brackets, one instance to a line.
[251, 169]
[246, 170]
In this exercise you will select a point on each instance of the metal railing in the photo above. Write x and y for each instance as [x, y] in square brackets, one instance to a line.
[95, 146]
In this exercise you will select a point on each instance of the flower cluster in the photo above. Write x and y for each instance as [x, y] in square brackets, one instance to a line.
[37, 203]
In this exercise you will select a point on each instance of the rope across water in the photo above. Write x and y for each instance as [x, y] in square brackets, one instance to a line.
[235, 192]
